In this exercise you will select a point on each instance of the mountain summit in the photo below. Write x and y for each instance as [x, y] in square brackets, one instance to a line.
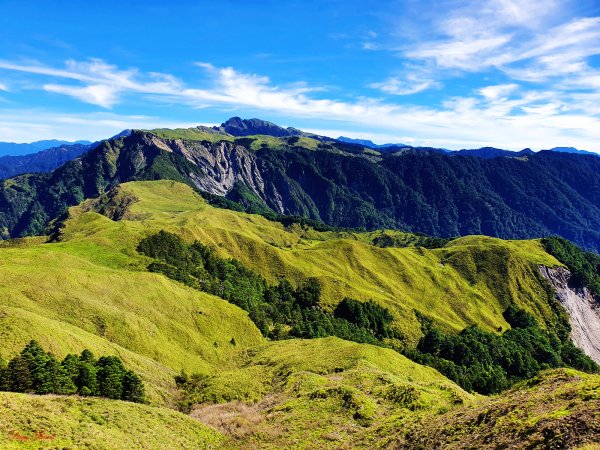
[237, 126]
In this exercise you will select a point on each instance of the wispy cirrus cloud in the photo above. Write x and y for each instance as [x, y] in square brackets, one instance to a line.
[96, 94]
[498, 91]
[532, 41]
[101, 84]
[477, 35]
[412, 81]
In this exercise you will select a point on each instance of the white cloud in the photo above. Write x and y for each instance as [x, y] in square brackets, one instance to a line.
[3, 87]
[528, 13]
[498, 115]
[96, 94]
[102, 84]
[534, 41]
[370, 46]
[412, 83]
[470, 54]
[29, 125]
[498, 91]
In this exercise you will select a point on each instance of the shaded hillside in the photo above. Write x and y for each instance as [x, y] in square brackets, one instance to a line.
[29, 202]
[43, 161]
[440, 195]
[338, 183]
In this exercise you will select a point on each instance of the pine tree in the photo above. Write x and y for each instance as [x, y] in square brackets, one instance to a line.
[36, 358]
[88, 379]
[56, 379]
[110, 377]
[133, 388]
[87, 356]
[19, 375]
[72, 364]
[44, 377]
[4, 379]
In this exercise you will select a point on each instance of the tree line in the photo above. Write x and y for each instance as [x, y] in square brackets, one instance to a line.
[488, 363]
[36, 371]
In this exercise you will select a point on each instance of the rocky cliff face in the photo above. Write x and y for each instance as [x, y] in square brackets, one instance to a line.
[583, 309]
[222, 165]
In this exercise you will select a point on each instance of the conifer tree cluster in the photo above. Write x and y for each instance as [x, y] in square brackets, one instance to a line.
[279, 310]
[488, 363]
[36, 371]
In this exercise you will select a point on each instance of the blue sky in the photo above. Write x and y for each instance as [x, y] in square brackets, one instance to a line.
[454, 74]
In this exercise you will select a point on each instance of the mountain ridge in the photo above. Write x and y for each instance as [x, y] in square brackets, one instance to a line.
[22, 149]
[42, 161]
[340, 184]
[239, 127]
[369, 143]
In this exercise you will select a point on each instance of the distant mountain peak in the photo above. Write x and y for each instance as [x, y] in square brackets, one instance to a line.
[14, 149]
[124, 133]
[369, 143]
[492, 152]
[237, 126]
[572, 150]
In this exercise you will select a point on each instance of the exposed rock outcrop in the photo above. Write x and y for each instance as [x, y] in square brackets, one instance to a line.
[583, 309]
[223, 164]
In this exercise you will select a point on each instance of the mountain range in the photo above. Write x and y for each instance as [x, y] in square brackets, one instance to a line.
[369, 143]
[254, 286]
[14, 149]
[42, 161]
[344, 185]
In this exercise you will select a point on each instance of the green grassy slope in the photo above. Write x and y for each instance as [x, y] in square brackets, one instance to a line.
[36, 422]
[90, 288]
[471, 280]
[90, 293]
[322, 393]
[193, 134]
[557, 409]
[254, 142]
